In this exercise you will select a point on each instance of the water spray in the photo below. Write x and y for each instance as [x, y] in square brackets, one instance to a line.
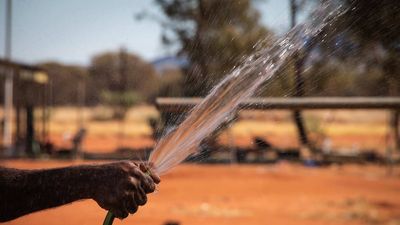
[236, 87]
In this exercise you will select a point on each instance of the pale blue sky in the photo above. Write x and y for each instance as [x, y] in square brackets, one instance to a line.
[72, 31]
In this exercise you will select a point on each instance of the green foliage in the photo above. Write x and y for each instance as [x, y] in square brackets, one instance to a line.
[121, 80]
[113, 78]
[214, 35]
[280, 85]
[119, 72]
[374, 25]
[360, 57]
[121, 99]
[375, 21]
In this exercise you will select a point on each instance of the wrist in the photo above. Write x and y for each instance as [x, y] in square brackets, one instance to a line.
[89, 178]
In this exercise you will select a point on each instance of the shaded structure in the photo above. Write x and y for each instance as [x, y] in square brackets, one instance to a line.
[30, 92]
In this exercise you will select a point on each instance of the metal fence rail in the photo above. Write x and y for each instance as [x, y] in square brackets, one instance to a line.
[182, 105]
[306, 103]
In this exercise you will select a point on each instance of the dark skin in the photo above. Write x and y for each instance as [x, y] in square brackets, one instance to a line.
[120, 187]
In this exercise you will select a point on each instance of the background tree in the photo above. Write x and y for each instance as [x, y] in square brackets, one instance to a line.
[121, 79]
[171, 83]
[363, 46]
[64, 80]
[375, 23]
[214, 35]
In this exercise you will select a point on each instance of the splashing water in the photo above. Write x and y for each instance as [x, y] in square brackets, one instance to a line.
[236, 87]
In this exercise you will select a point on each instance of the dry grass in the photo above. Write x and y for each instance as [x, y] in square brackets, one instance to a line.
[348, 129]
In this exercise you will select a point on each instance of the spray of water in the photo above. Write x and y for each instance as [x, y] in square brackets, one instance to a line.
[236, 87]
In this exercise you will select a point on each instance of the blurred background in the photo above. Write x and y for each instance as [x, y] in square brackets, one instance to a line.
[92, 81]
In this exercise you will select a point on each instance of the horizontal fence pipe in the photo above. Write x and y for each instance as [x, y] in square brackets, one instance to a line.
[304, 103]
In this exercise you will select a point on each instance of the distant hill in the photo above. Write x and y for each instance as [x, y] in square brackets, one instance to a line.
[170, 62]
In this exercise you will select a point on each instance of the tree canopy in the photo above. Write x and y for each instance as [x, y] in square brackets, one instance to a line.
[121, 72]
[214, 35]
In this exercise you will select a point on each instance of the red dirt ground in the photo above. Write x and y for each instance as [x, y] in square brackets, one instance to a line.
[253, 194]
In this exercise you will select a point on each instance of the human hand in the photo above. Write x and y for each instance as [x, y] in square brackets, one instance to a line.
[123, 186]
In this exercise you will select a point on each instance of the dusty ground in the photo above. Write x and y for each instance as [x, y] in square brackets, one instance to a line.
[281, 194]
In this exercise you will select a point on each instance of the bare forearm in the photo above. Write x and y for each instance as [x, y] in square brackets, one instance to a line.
[26, 191]
[120, 187]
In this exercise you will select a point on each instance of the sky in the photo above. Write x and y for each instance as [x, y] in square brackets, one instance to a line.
[73, 31]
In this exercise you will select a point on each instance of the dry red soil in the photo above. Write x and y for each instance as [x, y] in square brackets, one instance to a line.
[252, 194]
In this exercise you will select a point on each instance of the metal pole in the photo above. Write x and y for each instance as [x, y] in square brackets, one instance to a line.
[293, 12]
[8, 86]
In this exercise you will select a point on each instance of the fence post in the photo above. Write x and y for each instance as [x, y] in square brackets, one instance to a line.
[393, 142]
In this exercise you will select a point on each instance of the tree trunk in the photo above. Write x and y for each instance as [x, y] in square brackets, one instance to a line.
[299, 85]
[197, 82]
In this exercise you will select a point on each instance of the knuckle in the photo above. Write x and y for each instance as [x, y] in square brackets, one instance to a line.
[124, 215]
[131, 164]
[144, 200]
[143, 167]
[127, 195]
[134, 182]
[137, 171]
[125, 162]
[133, 209]
[126, 165]
[149, 185]
[152, 187]
[124, 170]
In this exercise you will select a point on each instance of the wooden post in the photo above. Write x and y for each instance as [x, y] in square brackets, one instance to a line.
[393, 144]
[395, 130]
[390, 143]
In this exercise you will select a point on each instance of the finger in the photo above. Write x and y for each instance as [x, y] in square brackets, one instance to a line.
[139, 193]
[140, 196]
[143, 167]
[155, 177]
[145, 180]
[120, 213]
[131, 204]
[148, 168]
[148, 184]
[136, 172]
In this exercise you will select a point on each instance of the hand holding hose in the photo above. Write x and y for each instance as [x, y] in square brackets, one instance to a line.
[124, 188]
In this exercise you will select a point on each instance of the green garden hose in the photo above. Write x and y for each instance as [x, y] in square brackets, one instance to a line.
[109, 218]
